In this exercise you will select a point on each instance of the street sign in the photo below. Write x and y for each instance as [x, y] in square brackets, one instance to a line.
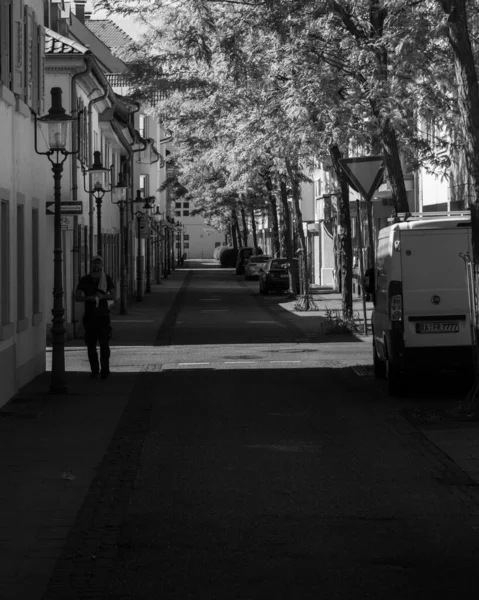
[72, 208]
[365, 173]
[144, 226]
[67, 208]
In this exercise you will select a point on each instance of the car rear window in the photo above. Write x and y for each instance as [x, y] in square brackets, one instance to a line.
[279, 263]
[259, 259]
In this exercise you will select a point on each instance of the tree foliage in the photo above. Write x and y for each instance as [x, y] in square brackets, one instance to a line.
[257, 91]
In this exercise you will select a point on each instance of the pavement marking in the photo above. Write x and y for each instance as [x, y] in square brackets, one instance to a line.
[132, 320]
[285, 361]
[192, 363]
[241, 362]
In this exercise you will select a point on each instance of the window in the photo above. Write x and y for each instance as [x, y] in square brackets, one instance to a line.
[186, 237]
[177, 213]
[177, 204]
[20, 262]
[35, 264]
[186, 245]
[186, 213]
[22, 51]
[4, 264]
[143, 126]
[5, 41]
[186, 205]
[46, 13]
[144, 185]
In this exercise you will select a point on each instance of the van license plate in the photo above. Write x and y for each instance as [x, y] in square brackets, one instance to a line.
[449, 327]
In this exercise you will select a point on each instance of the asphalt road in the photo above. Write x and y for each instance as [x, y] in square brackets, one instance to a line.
[267, 465]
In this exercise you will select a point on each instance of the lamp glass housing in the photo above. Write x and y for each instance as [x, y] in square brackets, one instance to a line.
[58, 133]
[120, 192]
[98, 179]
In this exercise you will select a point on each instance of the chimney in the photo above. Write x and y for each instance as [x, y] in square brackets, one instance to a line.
[80, 10]
[88, 12]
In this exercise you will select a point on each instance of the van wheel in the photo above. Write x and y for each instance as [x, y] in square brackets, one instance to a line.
[379, 365]
[394, 379]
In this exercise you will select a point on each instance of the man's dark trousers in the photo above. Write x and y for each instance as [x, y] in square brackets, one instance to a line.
[97, 330]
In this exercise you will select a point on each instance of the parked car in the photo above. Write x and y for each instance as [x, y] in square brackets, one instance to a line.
[421, 318]
[254, 265]
[275, 275]
[242, 257]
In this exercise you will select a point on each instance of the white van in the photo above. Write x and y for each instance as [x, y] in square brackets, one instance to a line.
[421, 317]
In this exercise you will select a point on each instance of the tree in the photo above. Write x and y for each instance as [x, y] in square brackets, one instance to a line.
[468, 100]
[278, 79]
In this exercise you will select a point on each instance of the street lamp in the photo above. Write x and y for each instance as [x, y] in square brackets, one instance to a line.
[99, 186]
[157, 218]
[58, 124]
[179, 230]
[140, 215]
[120, 198]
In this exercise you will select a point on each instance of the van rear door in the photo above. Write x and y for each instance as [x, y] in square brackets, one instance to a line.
[434, 286]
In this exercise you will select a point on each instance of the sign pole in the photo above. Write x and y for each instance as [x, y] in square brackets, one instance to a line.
[365, 174]
[361, 268]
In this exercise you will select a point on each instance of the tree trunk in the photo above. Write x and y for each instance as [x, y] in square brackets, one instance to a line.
[468, 98]
[236, 229]
[274, 216]
[233, 230]
[377, 17]
[245, 227]
[303, 272]
[393, 161]
[253, 229]
[344, 242]
[372, 39]
[287, 234]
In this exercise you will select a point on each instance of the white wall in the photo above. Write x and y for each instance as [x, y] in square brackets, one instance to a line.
[26, 179]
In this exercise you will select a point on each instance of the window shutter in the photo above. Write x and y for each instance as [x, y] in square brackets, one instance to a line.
[5, 42]
[29, 20]
[30, 26]
[40, 107]
[18, 48]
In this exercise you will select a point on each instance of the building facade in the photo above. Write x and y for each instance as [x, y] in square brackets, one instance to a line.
[45, 45]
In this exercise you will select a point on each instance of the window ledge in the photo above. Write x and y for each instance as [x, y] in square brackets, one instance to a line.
[37, 319]
[22, 325]
[23, 109]
[6, 331]
[7, 96]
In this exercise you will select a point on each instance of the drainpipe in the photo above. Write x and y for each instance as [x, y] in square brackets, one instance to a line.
[90, 154]
[131, 220]
[74, 190]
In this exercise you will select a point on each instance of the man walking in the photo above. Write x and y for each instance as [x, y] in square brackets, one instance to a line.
[97, 290]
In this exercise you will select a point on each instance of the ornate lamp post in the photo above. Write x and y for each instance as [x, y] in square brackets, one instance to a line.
[120, 198]
[140, 215]
[157, 218]
[180, 229]
[148, 260]
[169, 242]
[99, 186]
[58, 125]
